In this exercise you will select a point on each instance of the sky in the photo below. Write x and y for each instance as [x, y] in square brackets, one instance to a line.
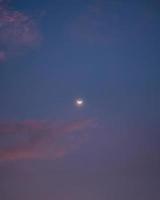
[105, 52]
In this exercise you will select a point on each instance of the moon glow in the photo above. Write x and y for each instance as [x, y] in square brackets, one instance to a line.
[79, 102]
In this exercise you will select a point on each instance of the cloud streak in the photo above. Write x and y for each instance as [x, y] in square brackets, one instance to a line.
[45, 140]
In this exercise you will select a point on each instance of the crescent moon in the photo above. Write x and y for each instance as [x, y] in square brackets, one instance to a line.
[79, 102]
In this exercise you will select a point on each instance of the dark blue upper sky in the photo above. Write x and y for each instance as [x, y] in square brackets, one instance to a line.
[106, 52]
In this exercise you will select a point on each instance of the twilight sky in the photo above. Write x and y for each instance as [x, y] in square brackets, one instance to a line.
[103, 51]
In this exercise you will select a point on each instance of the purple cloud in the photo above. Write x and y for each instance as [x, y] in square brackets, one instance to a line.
[17, 32]
[2, 56]
[45, 140]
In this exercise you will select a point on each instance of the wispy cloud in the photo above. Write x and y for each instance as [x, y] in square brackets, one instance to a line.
[18, 32]
[95, 23]
[46, 140]
[89, 25]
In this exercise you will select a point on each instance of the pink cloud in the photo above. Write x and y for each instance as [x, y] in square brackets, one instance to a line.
[17, 31]
[46, 140]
